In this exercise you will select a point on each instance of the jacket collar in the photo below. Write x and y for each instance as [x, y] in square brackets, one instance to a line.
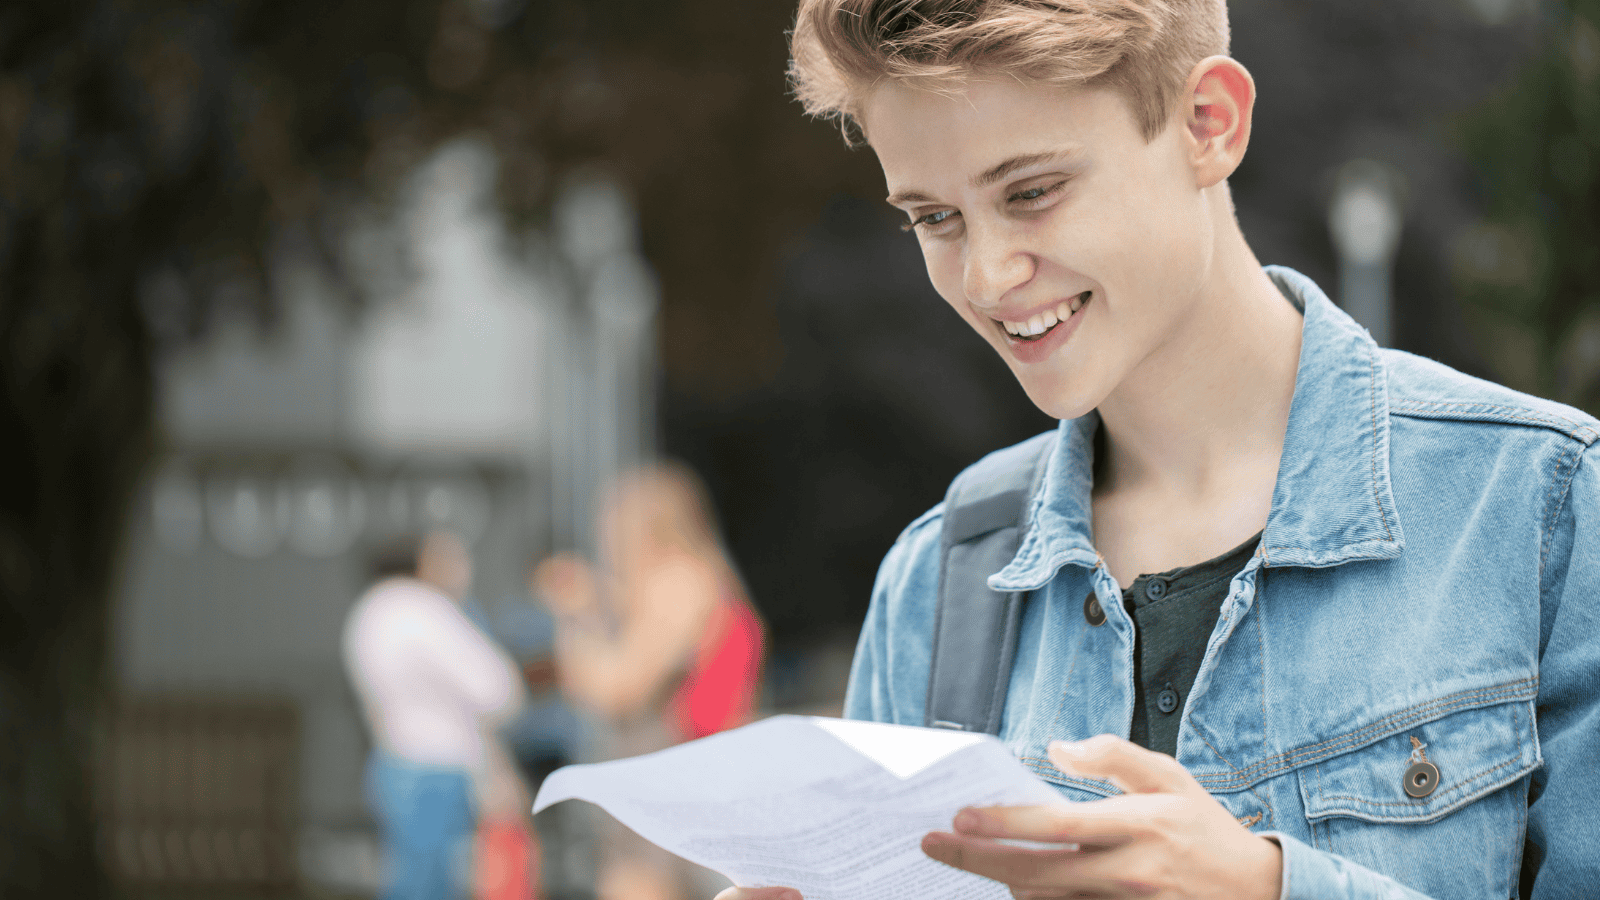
[1332, 502]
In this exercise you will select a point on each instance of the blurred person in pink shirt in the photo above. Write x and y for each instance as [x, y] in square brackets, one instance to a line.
[434, 689]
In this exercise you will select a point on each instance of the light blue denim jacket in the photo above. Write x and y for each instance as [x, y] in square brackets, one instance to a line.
[1429, 576]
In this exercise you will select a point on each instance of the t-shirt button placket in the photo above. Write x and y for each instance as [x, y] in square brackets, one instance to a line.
[1167, 700]
[1155, 589]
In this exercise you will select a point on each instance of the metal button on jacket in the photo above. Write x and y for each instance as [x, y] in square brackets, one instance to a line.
[1421, 778]
[1155, 588]
[1167, 700]
[1092, 613]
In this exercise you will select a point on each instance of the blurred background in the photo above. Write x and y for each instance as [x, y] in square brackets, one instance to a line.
[284, 285]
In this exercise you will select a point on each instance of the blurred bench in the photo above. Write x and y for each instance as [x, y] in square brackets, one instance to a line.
[201, 792]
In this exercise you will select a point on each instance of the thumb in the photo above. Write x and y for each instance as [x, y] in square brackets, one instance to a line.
[1130, 767]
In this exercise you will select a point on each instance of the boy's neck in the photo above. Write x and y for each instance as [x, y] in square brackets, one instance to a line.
[1202, 418]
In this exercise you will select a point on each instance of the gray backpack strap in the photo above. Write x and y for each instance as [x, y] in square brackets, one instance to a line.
[975, 628]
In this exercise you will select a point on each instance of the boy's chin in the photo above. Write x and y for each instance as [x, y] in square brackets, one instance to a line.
[1059, 399]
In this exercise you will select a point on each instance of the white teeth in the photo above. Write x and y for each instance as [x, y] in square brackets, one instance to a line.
[1041, 322]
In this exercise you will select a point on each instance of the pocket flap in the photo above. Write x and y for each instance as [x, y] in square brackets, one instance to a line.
[1471, 753]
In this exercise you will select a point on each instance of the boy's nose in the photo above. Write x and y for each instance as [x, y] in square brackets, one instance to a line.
[994, 266]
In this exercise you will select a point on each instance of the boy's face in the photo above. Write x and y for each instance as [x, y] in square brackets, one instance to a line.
[1037, 205]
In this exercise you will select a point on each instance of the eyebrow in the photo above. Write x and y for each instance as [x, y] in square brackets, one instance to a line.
[989, 176]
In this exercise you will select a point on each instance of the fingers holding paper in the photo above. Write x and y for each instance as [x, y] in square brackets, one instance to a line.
[762, 893]
[1164, 837]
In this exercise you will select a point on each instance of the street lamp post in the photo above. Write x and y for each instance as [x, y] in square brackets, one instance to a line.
[606, 354]
[1365, 221]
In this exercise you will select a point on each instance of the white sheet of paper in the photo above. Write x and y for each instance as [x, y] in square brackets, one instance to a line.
[833, 808]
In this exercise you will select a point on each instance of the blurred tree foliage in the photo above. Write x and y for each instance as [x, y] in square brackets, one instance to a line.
[157, 155]
[1531, 269]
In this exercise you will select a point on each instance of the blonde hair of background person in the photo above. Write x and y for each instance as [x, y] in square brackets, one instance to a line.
[625, 633]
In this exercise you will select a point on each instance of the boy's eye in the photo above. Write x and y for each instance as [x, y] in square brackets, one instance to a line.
[932, 220]
[1036, 193]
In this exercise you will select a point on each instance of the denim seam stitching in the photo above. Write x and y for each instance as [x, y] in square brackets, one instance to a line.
[1261, 670]
[1575, 428]
[1472, 404]
[1272, 815]
[1557, 493]
[1377, 497]
[1317, 752]
[1039, 763]
[1261, 653]
[1319, 821]
[1420, 802]
[1317, 549]
[1423, 818]
[1513, 872]
[1291, 761]
[1249, 786]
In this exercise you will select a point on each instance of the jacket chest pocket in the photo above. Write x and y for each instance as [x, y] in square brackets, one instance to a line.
[1439, 806]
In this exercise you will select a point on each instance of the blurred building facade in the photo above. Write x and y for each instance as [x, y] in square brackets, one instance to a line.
[289, 456]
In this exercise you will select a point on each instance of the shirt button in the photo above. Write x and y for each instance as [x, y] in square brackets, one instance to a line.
[1155, 588]
[1092, 613]
[1167, 700]
[1421, 778]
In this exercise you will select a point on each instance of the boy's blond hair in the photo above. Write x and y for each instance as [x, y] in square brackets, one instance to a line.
[1143, 48]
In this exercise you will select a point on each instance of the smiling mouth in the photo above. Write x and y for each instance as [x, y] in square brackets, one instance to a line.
[1040, 324]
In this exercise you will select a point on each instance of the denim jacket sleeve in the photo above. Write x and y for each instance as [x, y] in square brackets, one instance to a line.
[1561, 857]
[1310, 874]
[893, 652]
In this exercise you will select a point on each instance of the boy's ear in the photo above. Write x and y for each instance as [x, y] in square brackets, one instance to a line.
[1220, 95]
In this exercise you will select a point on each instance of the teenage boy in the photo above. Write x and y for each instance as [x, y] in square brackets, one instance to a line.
[1342, 598]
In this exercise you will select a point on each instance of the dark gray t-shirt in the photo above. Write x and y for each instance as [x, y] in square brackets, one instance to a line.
[1173, 615]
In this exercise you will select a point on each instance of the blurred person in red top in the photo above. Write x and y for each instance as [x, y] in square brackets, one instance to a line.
[665, 631]
[662, 644]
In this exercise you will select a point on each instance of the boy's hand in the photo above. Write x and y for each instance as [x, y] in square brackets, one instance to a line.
[1165, 837]
[766, 893]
